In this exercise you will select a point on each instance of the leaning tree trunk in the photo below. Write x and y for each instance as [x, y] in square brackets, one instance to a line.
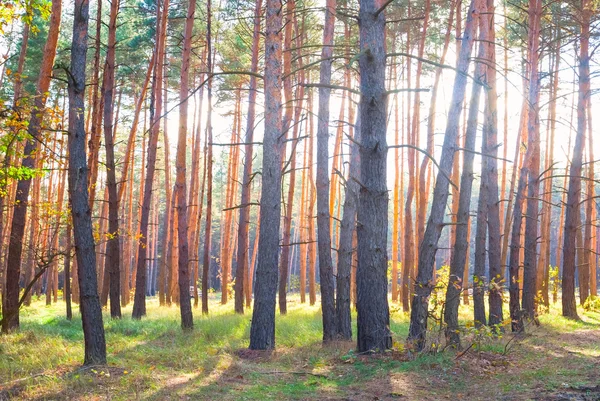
[373, 320]
[461, 243]
[569, 306]
[17, 230]
[91, 311]
[424, 281]
[322, 180]
[262, 330]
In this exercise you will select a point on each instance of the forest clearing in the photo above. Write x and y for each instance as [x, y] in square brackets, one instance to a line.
[155, 360]
[299, 199]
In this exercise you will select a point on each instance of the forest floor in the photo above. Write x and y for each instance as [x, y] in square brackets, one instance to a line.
[154, 360]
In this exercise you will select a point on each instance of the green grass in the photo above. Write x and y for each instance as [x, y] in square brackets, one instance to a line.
[153, 359]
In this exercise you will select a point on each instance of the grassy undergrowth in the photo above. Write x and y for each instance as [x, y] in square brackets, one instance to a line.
[153, 359]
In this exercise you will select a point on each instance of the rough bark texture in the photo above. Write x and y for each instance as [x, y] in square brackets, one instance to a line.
[373, 320]
[262, 330]
[91, 312]
[424, 281]
[17, 229]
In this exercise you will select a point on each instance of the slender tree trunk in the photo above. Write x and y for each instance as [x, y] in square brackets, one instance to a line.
[67, 267]
[139, 301]
[284, 261]
[322, 181]
[96, 110]
[462, 239]
[424, 282]
[262, 330]
[209, 165]
[91, 312]
[185, 305]
[533, 143]
[569, 307]
[10, 299]
[243, 227]
[347, 230]
[496, 271]
[312, 248]
[112, 242]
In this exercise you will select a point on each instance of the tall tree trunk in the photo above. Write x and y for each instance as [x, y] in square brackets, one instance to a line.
[10, 307]
[262, 330]
[322, 181]
[91, 312]
[496, 272]
[243, 227]
[312, 249]
[284, 261]
[461, 243]
[112, 242]
[569, 307]
[533, 143]
[424, 282]
[209, 164]
[373, 320]
[139, 300]
[96, 109]
[185, 305]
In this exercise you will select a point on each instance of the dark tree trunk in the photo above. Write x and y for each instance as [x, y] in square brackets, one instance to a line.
[373, 320]
[262, 330]
[424, 283]
[91, 311]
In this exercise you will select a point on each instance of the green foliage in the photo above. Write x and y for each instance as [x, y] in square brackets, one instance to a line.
[592, 304]
[23, 9]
